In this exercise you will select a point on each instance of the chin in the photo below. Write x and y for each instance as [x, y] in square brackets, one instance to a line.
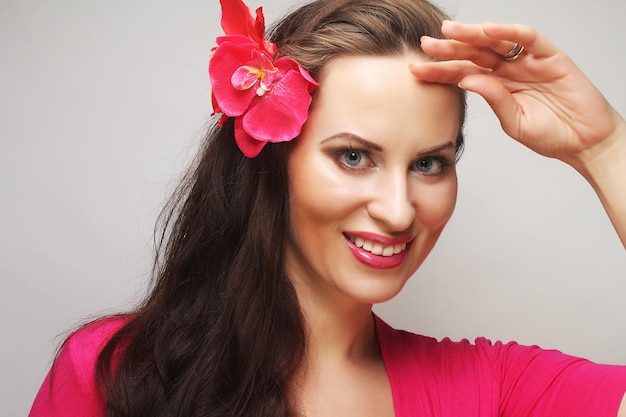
[379, 292]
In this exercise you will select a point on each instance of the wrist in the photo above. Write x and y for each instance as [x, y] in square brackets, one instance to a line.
[604, 167]
[606, 158]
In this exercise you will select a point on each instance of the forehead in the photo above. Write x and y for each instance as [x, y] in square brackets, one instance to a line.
[378, 97]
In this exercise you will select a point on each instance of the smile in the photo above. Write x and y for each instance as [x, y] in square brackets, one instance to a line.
[377, 251]
[376, 248]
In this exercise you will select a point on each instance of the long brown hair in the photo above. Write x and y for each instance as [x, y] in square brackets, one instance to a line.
[221, 333]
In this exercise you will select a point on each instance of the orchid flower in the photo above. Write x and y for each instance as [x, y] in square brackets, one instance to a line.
[269, 98]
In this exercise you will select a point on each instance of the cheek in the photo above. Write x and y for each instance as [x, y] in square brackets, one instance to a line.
[315, 207]
[320, 193]
[435, 203]
[311, 200]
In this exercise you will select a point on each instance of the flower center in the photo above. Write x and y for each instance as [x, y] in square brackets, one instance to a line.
[257, 74]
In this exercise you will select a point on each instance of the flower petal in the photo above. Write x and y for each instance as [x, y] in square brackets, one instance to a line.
[216, 107]
[236, 39]
[259, 26]
[227, 58]
[278, 116]
[244, 77]
[236, 18]
[286, 63]
[249, 146]
[312, 83]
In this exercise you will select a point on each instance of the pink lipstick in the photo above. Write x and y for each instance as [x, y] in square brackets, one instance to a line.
[377, 251]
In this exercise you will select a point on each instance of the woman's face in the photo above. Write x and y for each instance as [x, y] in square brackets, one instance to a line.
[372, 179]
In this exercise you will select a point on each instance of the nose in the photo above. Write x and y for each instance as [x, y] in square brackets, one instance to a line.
[391, 202]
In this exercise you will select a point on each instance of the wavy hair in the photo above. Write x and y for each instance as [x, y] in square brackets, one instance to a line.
[221, 332]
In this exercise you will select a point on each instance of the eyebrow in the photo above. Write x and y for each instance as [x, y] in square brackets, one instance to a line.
[351, 136]
[436, 149]
[376, 147]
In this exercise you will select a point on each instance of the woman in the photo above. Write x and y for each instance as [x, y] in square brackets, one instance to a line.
[274, 253]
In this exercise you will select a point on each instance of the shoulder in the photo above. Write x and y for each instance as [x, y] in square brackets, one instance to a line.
[397, 340]
[87, 342]
[80, 351]
[521, 377]
[456, 377]
[70, 388]
[463, 357]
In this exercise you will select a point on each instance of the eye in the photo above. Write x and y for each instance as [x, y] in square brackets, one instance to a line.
[430, 165]
[352, 159]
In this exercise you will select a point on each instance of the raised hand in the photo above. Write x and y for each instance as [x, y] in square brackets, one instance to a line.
[542, 99]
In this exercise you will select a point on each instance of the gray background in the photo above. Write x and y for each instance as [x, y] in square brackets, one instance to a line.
[102, 104]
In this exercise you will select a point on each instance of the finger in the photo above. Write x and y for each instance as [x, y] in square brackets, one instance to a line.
[446, 49]
[474, 34]
[499, 99]
[533, 41]
[445, 72]
[500, 37]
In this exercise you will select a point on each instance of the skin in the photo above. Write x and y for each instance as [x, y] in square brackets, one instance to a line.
[375, 156]
[540, 95]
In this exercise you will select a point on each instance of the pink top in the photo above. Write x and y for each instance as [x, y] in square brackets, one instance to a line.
[70, 388]
[460, 379]
[428, 378]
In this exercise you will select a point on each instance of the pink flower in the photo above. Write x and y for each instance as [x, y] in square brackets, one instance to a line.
[269, 98]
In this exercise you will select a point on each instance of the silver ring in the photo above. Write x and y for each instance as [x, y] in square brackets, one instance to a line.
[514, 53]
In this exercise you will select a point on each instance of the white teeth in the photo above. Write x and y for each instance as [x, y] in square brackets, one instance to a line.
[377, 248]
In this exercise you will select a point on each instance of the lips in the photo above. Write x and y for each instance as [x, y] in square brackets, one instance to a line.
[377, 251]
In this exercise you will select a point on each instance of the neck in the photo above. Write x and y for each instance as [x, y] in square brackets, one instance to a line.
[338, 330]
[343, 365]
[342, 338]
